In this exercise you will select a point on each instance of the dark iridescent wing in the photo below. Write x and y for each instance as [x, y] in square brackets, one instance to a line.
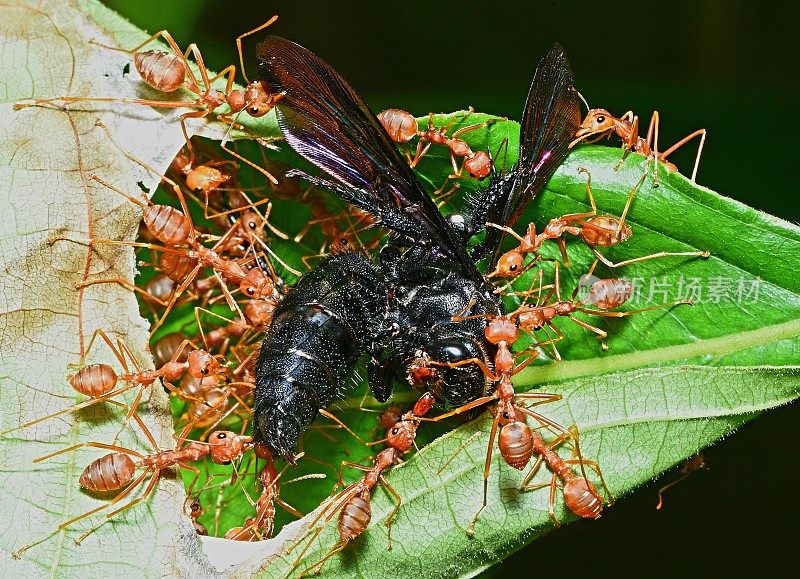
[326, 122]
[552, 116]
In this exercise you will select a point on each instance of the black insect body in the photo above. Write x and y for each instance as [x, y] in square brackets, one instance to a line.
[399, 311]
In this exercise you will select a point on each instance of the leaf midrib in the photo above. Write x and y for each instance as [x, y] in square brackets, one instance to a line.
[718, 347]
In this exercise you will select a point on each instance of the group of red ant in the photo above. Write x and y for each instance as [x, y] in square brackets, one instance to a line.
[227, 262]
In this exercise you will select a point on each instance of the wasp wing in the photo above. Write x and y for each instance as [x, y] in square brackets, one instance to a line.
[326, 122]
[551, 118]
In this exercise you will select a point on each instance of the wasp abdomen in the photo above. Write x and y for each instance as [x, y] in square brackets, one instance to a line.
[319, 332]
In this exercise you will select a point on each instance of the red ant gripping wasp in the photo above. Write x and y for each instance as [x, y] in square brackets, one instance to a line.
[353, 503]
[516, 440]
[593, 229]
[402, 127]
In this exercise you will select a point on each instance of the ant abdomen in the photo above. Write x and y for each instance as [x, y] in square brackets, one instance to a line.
[354, 518]
[605, 231]
[516, 444]
[582, 498]
[401, 125]
[167, 224]
[109, 473]
[161, 70]
[95, 380]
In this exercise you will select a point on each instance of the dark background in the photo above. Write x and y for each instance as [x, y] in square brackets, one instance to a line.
[730, 67]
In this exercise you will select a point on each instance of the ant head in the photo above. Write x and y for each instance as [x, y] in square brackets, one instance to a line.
[501, 329]
[256, 284]
[401, 435]
[204, 179]
[597, 122]
[202, 364]
[259, 312]
[252, 220]
[390, 416]
[258, 101]
[436, 369]
[226, 446]
[509, 264]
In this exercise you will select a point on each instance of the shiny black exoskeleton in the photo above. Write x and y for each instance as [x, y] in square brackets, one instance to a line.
[404, 309]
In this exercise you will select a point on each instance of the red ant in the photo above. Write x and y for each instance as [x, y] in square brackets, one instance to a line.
[116, 471]
[693, 464]
[261, 525]
[599, 124]
[167, 72]
[99, 381]
[604, 294]
[516, 440]
[354, 502]
[402, 127]
[593, 229]
[184, 264]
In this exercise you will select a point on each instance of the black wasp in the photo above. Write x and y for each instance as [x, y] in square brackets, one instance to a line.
[398, 310]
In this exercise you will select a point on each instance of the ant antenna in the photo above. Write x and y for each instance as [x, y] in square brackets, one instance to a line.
[583, 100]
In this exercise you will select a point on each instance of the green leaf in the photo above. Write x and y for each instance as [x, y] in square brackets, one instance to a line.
[672, 381]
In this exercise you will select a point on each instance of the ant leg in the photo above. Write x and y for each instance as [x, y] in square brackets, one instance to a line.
[117, 353]
[119, 497]
[261, 170]
[625, 313]
[391, 516]
[124, 283]
[631, 193]
[327, 414]
[552, 508]
[101, 445]
[486, 470]
[239, 44]
[601, 334]
[317, 567]
[151, 485]
[652, 139]
[422, 150]
[461, 447]
[460, 410]
[477, 361]
[91, 402]
[610, 263]
[589, 193]
[524, 485]
[698, 133]
[508, 230]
